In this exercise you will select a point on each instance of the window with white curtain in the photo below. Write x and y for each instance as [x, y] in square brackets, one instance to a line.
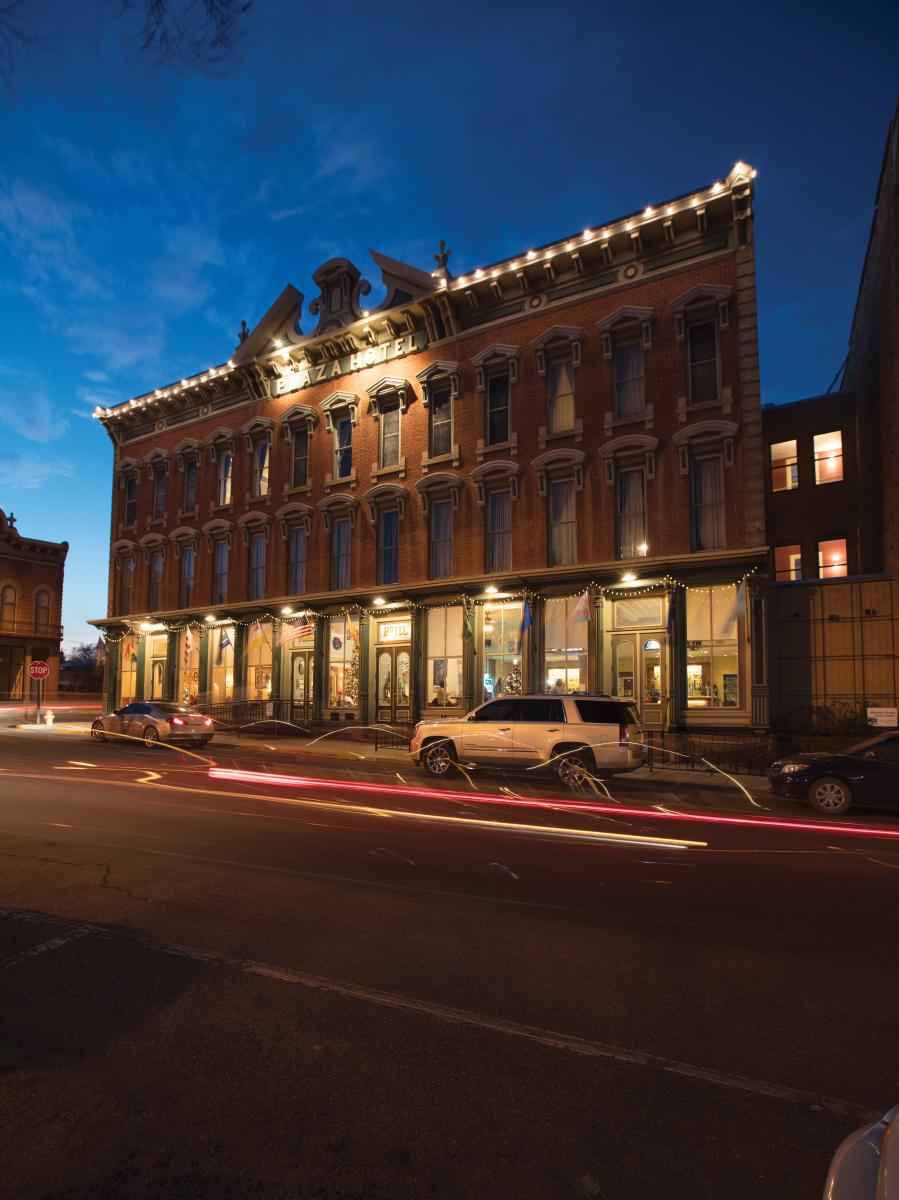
[390, 434]
[157, 566]
[629, 390]
[260, 468]
[300, 467]
[257, 566]
[340, 552]
[388, 546]
[42, 612]
[441, 531]
[560, 395]
[223, 490]
[220, 557]
[343, 446]
[708, 503]
[160, 492]
[191, 471]
[441, 432]
[631, 495]
[188, 565]
[296, 560]
[562, 524]
[499, 530]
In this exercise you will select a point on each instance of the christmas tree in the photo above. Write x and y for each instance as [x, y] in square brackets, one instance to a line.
[513, 679]
[351, 675]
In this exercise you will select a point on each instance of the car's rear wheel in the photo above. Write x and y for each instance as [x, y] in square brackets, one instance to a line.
[830, 796]
[438, 758]
[151, 736]
[97, 733]
[575, 766]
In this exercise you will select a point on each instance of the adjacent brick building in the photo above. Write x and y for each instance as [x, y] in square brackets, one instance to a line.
[31, 576]
[544, 474]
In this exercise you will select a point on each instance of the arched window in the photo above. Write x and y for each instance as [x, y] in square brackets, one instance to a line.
[42, 612]
[8, 607]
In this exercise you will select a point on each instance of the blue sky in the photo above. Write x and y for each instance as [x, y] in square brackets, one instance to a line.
[144, 214]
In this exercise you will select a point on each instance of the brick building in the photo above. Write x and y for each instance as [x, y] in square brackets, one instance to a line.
[545, 473]
[31, 574]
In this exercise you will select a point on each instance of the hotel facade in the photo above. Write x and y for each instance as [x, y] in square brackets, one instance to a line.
[545, 474]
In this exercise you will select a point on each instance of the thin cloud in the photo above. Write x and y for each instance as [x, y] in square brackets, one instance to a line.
[28, 472]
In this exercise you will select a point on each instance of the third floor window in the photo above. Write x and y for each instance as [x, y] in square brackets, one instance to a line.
[223, 485]
[300, 472]
[828, 457]
[130, 499]
[629, 389]
[389, 449]
[560, 394]
[498, 429]
[702, 351]
[441, 421]
[343, 446]
[160, 492]
[190, 485]
[260, 468]
[784, 467]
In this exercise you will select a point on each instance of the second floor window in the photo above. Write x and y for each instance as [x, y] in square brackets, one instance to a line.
[828, 457]
[130, 499]
[257, 566]
[343, 446]
[631, 514]
[441, 537]
[296, 560]
[833, 560]
[188, 566]
[787, 563]
[702, 350]
[441, 432]
[784, 467]
[497, 410]
[190, 485]
[42, 612]
[560, 395]
[157, 565]
[499, 530]
[160, 492]
[260, 468]
[388, 546]
[562, 525]
[223, 489]
[300, 472]
[126, 585]
[389, 453]
[340, 553]
[707, 477]
[220, 555]
[8, 607]
[629, 391]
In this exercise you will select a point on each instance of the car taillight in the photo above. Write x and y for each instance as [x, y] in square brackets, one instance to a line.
[623, 734]
[176, 720]
[208, 721]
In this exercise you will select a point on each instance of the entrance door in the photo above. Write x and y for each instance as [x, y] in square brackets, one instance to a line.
[640, 673]
[393, 679]
[302, 680]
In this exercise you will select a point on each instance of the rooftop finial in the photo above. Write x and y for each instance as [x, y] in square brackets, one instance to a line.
[244, 333]
[441, 259]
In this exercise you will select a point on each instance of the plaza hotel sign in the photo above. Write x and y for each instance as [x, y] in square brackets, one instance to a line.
[307, 374]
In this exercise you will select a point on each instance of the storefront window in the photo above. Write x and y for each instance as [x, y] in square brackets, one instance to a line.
[222, 651]
[343, 662]
[259, 661]
[129, 669]
[502, 649]
[565, 657]
[713, 618]
[188, 687]
[445, 657]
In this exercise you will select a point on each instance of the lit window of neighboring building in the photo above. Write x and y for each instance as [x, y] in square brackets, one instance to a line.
[828, 457]
[130, 499]
[188, 565]
[441, 420]
[160, 492]
[630, 492]
[220, 557]
[702, 352]
[832, 558]
[784, 467]
[340, 553]
[296, 560]
[190, 485]
[560, 394]
[629, 389]
[388, 546]
[223, 490]
[562, 523]
[787, 563]
[157, 566]
[257, 566]
[707, 477]
[498, 430]
[441, 537]
[260, 468]
[499, 530]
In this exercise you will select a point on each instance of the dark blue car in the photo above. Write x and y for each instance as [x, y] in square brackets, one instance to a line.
[867, 773]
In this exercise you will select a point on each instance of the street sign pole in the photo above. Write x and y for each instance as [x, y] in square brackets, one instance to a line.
[39, 671]
[40, 686]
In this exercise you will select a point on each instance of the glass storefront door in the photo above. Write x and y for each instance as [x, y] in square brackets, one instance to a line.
[394, 683]
[640, 673]
[302, 682]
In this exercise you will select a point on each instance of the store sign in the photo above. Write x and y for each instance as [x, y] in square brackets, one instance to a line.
[399, 631]
[306, 375]
[883, 718]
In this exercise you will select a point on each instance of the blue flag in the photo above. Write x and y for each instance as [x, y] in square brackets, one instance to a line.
[526, 621]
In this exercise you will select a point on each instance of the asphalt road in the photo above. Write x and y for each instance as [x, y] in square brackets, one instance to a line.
[340, 988]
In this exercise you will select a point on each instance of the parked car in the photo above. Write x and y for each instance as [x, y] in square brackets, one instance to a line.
[866, 1164]
[155, 722]
[575, 735]
[867, 773]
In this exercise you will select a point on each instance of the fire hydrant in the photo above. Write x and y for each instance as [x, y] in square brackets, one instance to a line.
[48, 717]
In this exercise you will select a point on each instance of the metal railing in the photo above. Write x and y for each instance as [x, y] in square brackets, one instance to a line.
[395, 736]
[271, 717]
[44, 629]
[744, 753]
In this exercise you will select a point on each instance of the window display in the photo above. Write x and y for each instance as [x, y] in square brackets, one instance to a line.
[259, 661]
[343, 662]
[222, 653]
[501, 636]
[565, 647]
[444, 634]
[713, 621]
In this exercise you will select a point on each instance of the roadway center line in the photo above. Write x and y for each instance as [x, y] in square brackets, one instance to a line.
[587, 1048]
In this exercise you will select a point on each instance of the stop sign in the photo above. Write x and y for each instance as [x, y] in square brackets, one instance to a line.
[38, 670]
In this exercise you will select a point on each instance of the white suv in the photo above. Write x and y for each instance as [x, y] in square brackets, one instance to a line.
[575, 735]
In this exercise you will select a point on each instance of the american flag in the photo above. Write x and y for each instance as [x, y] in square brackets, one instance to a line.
[292, 633]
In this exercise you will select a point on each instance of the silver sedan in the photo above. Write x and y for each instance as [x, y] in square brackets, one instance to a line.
[153, 721]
